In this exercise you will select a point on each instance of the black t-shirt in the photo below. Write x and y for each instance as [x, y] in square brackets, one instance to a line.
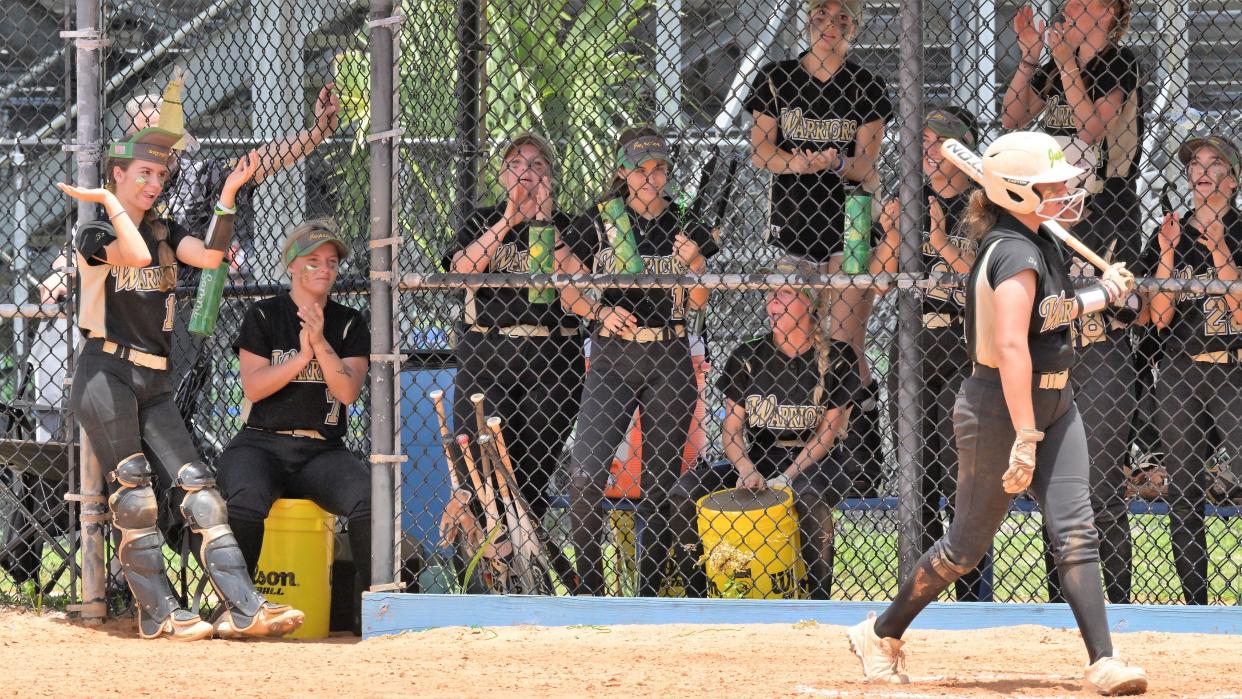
[653, 308]
[502, 307]
[1201, 322]
[1004, 252]
[949, 299]
[1117, 156]
[131, 306]
[190, 197]
[806, 212]
[779, 391]
[270, 329]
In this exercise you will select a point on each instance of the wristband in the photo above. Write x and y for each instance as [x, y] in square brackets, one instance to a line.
[840, 168]
[222, 210]
[113, 216]
[1027, 434]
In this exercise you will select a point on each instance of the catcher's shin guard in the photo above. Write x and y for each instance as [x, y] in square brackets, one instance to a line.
[141, 553]
[248, 613]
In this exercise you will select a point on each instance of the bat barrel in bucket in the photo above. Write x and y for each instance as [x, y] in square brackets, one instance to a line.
[751, 542]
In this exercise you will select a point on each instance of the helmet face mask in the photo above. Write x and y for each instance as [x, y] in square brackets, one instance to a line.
[1068, 207]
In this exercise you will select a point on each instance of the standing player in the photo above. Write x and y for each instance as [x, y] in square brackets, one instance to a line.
[519, 348]
[304, 359]
[122, 393]
[1087, 96]
[640, 355]
[787, 397]
[1019, 307]
[1200, 379]
[946, 249]
[819, 120]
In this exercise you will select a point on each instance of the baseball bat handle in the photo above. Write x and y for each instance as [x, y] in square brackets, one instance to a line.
[1075, 244]
[437, 397]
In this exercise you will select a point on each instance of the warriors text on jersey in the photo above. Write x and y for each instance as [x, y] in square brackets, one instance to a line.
[503, 307]
[270, 329]
[779, 393]
[1201, 322]
[1004, 252]
[655, 237]
[945, 298]
[131, 306]
[807, 212]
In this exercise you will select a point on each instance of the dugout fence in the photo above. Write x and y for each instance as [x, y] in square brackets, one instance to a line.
[431, 95]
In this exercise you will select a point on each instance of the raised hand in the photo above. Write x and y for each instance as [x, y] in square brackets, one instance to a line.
[327, 110]
[241, 174]
[97, 195]
[1170, 231]
[1030, 35]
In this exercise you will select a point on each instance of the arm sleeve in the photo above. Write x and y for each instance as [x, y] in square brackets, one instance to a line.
[253, 336]
[1010, 257]
[469, 232]
[92, 238]
[762, 99]
[735, 378]
[357, 341]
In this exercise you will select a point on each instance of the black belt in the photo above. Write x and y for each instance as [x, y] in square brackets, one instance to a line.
[1051, 380]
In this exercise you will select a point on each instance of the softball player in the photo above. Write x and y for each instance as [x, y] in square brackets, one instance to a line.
[1199, 382]
[946, 249]
[122, 393]
[1087, 95]
[818, 124]
[1019, 307]
[787, 397]
[640, 357]
[523, 354]
[304, 360]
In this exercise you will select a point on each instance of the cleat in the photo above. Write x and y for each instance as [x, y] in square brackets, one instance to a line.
[1112, 677]
[179, 626]
[272, 621]
[882, 658]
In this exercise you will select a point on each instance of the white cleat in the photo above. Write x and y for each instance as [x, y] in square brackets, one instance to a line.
[1112, 677]
[882, 658]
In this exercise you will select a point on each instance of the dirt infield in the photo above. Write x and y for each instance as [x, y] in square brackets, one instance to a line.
[45, 656]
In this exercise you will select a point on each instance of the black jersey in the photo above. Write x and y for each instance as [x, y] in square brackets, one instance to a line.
[1004, 252]
[949, 298]
[131, 306]
[806, 212]
[1201, 322]
[653, 308]
[783, 396]
[1114, 246]
[500, 307]
[1117, 156]
[270, 329]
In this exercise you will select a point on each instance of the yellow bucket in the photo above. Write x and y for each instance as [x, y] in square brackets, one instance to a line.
[751, 542]
[295, 567]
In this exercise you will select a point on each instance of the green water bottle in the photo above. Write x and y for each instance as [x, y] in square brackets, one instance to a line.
[207, 302]
[542, 238]
[857, 232]
[621, 237]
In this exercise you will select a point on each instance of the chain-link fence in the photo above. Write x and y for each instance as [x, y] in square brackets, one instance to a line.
[752, 282]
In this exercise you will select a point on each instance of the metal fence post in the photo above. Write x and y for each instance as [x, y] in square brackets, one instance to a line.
[383, 373]
[910, 114]
[88, 42]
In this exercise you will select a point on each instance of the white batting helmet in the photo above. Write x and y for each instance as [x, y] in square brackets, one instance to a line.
[1018, 161]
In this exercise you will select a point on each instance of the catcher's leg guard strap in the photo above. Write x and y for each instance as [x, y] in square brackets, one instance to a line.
[205, 512]
[142, 556]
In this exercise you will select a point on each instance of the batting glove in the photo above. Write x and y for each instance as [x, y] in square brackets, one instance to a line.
[1021, 461]
[780, 481]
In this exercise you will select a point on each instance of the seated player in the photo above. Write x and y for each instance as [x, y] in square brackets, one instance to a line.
[122, 391]
[787, 398]
[304, 358]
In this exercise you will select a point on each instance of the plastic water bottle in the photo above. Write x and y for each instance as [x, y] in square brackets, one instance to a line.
[542, 238]
[857, 232]
[207, 302]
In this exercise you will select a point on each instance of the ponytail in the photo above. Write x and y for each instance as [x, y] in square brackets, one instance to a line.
[981, 215]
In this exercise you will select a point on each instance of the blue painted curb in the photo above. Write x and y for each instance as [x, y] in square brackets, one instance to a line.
[385, 614]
